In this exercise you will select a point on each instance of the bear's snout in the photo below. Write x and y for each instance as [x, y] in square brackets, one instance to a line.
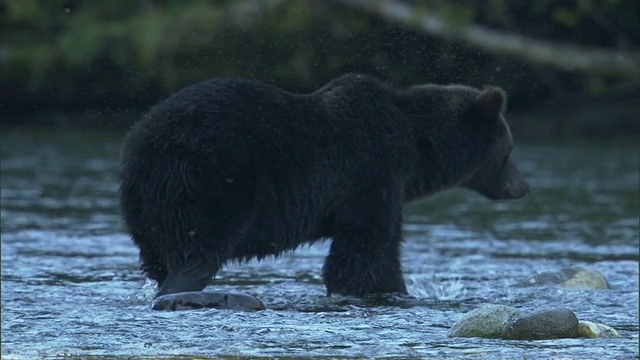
[518, 191]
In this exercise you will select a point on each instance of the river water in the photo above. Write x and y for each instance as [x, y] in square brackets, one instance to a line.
[71, 287]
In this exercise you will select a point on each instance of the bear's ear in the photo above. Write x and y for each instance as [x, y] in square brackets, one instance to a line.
[491, 102]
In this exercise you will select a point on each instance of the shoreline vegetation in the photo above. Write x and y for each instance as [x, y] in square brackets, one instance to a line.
[569, 68]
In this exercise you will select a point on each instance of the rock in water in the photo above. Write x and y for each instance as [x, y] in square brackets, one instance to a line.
[486, 322]
[586, 279]
[207, 300]
[574, 278]
[547, 324]
[589, 329]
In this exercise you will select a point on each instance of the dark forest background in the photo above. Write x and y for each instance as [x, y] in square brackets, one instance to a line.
[570, 67]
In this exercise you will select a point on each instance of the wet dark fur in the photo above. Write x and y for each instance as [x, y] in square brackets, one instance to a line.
[231, 169]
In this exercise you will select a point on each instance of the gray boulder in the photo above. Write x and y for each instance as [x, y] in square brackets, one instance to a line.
[485, 322]
[547, 324]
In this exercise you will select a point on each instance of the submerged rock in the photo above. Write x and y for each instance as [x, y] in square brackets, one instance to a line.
[586, 279]
[590, 329]
[486, 322]
[207, 300]
[574, 278]
[547, 324]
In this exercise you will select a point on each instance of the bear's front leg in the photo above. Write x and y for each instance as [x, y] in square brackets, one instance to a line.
[365, 253]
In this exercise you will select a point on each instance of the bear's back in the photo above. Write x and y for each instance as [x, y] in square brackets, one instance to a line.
[219, 100]
[209, 115]
[349, 123]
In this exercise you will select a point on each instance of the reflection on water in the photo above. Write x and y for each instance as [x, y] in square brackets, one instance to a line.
[71, 285]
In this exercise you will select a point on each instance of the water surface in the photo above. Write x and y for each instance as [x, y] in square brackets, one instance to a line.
[71, 285]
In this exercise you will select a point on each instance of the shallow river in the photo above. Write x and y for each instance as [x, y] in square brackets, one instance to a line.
[71, 285]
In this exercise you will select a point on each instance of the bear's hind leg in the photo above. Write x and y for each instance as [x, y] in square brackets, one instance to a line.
[152, 259]
[176, 263]
[186, 281]
[200, 240]
[191, 266]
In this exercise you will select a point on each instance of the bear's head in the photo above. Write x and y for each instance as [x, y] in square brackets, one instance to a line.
[495, 175]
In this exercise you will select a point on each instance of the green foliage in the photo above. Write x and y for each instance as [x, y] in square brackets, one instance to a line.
[70, 52]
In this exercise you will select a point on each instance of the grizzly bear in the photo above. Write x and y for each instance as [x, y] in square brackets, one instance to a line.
[234, 170]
